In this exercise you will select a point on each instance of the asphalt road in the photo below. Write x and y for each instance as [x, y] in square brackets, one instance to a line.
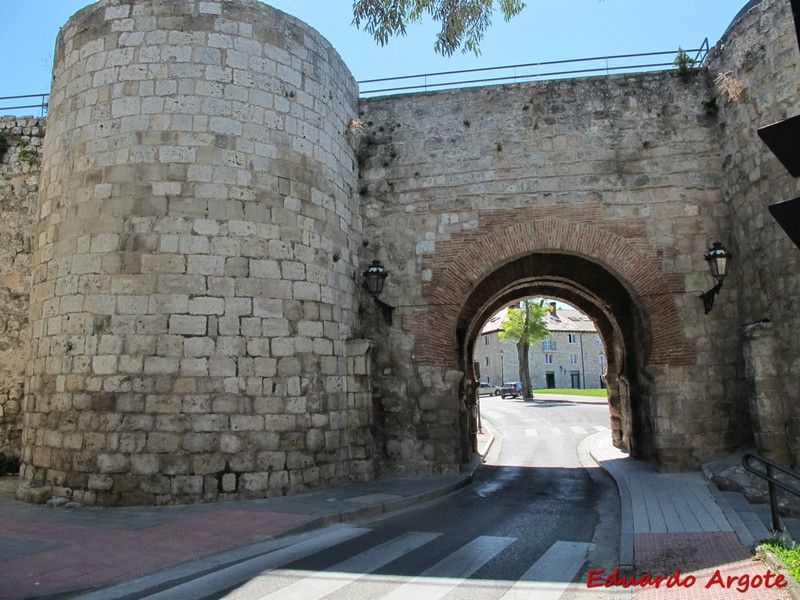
[534, 519]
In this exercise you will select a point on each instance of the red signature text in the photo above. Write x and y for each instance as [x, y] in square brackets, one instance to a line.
[741, 583]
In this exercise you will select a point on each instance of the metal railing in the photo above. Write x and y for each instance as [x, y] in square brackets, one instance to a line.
[41, 105]
[599, 65]
[772, 482]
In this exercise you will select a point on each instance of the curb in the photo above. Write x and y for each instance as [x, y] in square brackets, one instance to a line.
[779, 567]
[626, 550]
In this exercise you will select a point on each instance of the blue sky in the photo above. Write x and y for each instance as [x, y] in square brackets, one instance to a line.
[546, 30]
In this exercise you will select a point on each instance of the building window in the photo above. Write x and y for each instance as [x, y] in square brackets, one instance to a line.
[486, 340]
[487, 361]
[573, 338]
[548, 345]
[548, 359]
[573, 359]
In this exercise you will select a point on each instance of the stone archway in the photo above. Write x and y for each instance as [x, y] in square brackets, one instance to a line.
[582, 284]
[618, 284]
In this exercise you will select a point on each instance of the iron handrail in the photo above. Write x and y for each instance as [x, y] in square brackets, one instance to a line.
[700, 55]
[769, 475]
[42, 105]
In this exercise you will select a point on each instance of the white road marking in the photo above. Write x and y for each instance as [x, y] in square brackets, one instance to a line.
[339, 575]
[548, 577]
[448, 573]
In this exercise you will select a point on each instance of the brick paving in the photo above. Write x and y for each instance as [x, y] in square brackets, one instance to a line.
[86, 556]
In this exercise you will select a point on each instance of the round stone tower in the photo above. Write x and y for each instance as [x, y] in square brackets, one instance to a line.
[195, 252]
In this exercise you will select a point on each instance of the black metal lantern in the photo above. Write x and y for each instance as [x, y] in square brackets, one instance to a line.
[718, 259]
[375, 277]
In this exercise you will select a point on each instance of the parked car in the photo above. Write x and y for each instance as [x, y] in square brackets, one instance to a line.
[513, 389]
[485, 389]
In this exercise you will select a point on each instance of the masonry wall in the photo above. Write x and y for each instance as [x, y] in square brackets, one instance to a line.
[197, 329]
[456, 183]
[193, 290]
[20, 146]
[760, 58]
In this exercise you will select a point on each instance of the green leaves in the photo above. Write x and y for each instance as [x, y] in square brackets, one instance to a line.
[463, 22]
[525, 323]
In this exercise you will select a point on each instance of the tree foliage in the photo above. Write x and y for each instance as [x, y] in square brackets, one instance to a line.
[463, 22]
[525, 326]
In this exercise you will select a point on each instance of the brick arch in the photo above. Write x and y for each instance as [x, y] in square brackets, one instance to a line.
[459, 268]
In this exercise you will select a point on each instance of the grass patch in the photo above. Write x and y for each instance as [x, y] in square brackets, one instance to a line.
[788, 552]
[570, 392]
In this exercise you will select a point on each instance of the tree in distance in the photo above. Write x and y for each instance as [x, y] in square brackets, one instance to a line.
[463, 22]
[525, 326]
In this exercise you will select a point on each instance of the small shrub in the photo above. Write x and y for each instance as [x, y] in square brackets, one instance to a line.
[684, 63]
[788, 551]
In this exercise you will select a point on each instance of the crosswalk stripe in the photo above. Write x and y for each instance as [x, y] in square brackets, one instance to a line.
[549, 576]
[226, 578]
[341, 574]
[448, 573]
[531, 432]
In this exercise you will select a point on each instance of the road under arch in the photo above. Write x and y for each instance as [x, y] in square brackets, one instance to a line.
[597, 293]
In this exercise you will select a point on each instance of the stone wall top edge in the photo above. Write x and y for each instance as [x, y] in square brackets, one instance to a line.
[738, 17]
[6, 120]
[524, 86]
[255, 5]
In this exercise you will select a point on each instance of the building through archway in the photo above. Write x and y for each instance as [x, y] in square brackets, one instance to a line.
[599, 295]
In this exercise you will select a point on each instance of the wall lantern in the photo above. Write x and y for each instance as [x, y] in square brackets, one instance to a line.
[718, 259]
[375, 277]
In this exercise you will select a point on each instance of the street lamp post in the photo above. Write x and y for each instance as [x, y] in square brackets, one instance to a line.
[502, 371]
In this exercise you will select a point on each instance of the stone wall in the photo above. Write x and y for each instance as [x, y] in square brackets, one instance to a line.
[197, 236]
[211, 188]
[20, 157]
[759, 56]
[621, 170]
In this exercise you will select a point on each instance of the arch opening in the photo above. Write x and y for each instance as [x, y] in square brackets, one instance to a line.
[595, 292]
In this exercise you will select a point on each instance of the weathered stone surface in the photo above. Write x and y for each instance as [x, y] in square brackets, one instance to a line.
[19, 184]
[196, 328]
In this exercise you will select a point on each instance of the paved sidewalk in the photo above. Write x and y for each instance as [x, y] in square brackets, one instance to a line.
[669, 522]
[672, 523]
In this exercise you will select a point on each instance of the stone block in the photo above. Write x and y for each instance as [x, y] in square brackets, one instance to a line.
[113, 463]
[145, 464]
[163, 443]
[254, 481]
[229, 483]
[207, 464]
[188, 325]
[189, 485]
[247, 423]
